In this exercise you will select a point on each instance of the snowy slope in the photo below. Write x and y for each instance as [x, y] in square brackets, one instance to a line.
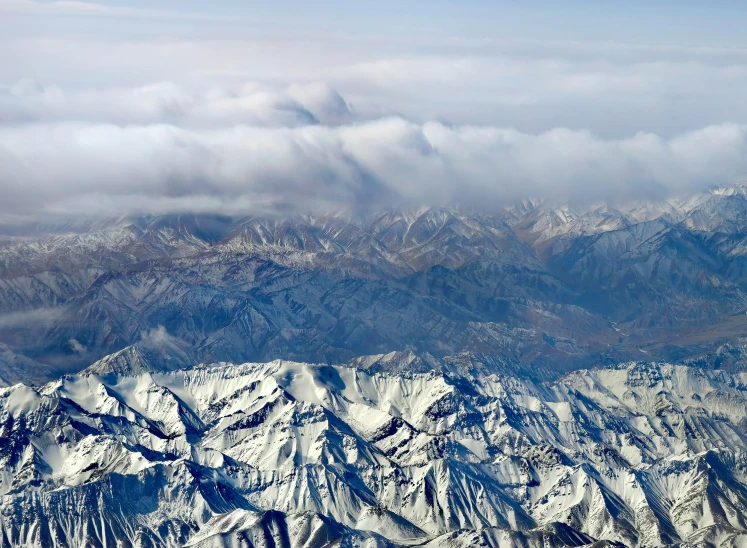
[291, 454]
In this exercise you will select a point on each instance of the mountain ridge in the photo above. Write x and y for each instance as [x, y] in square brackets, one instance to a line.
[540, 283]
[639, 454]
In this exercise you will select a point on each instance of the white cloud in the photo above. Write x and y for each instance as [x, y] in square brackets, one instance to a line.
[92, 168]
[165, 102]
[76, 346]
[26, 318]
[115, 118]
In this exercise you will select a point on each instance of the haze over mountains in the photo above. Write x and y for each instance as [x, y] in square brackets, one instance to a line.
[440, 377]
[558, 286]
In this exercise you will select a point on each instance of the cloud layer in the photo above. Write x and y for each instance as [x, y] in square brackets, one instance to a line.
[91, 168]
[146, 117]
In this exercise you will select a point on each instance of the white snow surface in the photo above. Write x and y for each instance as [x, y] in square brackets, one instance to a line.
[291, 454]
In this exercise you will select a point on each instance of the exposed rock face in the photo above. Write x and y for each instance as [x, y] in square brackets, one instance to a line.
[289, 454]
[458, 419]
[539, 285]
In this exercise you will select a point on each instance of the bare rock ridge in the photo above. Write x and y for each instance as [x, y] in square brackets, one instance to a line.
[539, 284]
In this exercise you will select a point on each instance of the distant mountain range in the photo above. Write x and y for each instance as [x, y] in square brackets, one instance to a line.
[557, 286]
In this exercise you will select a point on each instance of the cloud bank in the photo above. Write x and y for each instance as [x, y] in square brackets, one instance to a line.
[113, 118]
[90, 168]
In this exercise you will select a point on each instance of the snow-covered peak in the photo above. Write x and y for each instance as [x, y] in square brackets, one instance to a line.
[297, 454]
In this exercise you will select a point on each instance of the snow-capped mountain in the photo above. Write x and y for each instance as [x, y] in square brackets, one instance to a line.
[292, 454]
[561, 286]
[493, 391]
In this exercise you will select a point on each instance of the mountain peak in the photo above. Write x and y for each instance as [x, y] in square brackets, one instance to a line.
[299, 453]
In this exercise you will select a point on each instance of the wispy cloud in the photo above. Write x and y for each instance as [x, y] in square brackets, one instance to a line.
[250, 104]
[26, 318]
[72, 8]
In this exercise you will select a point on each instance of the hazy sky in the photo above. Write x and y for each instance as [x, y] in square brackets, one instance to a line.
[257, 106]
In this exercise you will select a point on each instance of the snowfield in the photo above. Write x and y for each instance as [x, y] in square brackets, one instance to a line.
[299, 455]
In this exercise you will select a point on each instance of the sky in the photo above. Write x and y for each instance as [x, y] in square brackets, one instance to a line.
[285, 106]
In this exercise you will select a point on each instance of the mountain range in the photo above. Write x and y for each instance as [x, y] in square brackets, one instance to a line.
[539, 375]
[540, 284]
[298, 455]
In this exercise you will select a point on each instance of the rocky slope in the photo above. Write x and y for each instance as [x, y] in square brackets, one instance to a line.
[381, 454]
[562, 286]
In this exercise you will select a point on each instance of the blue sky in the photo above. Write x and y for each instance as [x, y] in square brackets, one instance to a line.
[659, 21]
[508, 98]
[683, 21]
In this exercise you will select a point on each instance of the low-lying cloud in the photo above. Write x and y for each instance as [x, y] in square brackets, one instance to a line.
[210, 112]
[33, 317]
[96, 168]
[251, 104]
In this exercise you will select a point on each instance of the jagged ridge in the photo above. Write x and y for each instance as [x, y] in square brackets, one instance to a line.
[300, 455]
